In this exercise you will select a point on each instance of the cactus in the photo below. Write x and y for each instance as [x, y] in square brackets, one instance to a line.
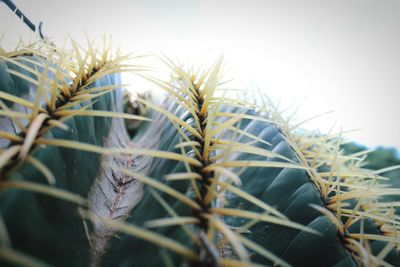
[211, 176]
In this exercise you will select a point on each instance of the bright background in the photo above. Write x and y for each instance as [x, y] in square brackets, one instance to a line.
[330, 55]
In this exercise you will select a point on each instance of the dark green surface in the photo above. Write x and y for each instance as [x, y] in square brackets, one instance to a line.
[290, 192]
[44, 227]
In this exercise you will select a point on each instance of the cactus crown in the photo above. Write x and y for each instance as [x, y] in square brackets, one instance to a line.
[212, 177]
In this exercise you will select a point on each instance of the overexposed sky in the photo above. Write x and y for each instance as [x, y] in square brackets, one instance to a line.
[340, 55]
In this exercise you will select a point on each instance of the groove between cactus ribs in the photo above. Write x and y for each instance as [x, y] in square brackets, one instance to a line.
[115, 193]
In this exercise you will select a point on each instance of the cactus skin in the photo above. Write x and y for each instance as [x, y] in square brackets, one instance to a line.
[49, 228]
[118, 199]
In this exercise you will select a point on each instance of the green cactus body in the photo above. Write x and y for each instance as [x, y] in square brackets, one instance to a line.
[208, 179]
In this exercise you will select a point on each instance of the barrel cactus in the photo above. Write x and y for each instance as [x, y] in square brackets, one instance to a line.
[211, 176]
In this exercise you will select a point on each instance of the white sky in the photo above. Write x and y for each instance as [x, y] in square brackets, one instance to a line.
[340, 55]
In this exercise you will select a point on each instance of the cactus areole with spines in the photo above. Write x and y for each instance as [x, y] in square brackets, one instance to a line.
[210, 177]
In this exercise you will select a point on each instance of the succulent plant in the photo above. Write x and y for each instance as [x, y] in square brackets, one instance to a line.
[211, 176]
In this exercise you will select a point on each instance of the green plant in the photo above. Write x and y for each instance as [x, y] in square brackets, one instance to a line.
[212, 176]
[383, 161]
